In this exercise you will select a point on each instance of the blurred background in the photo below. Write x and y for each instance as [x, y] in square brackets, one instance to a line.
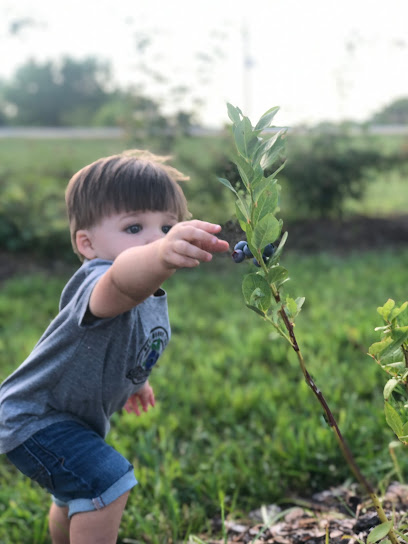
[159, 75]
[84, 79]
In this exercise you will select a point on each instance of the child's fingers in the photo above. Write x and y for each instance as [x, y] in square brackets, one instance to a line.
[135, 405]
[128, 406]
[216, 247]
[152, 400]
[204, 225]
[131, 406]
[191, 250]
[204, 237]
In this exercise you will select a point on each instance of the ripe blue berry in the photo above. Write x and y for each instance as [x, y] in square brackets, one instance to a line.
[269, 250]
[256, 262]
[238, 255]
[247, 251]
[240, 245]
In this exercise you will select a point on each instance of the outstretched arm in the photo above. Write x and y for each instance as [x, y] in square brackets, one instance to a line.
[139, 271]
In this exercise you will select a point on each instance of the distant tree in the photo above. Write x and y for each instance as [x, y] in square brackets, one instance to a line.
[395, 113]
[68, 92]
[3, 117]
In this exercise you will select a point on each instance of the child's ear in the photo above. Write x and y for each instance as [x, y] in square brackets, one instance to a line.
[84, 244]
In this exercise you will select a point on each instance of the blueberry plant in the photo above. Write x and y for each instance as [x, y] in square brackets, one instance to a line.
[257, 149]
[391, 353]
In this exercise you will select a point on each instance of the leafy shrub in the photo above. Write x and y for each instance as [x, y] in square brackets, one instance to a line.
[32, 214]
[325, 170]
[322, 172]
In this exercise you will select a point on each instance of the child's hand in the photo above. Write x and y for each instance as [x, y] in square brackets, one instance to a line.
[189, 243]
[144, 397]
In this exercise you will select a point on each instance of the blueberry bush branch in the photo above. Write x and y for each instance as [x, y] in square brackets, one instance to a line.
[391, 353]
[258, 149]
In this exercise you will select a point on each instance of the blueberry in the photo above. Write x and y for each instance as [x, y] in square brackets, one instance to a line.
[256, 262]
[269, 250]
[238, 255]
[240, 245]
[247, 251]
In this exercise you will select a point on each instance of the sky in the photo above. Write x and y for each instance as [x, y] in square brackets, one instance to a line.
[319, 60]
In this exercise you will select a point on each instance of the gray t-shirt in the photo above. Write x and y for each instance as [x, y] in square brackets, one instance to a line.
[83, 369]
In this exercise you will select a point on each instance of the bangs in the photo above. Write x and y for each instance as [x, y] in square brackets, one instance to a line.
[143, 186]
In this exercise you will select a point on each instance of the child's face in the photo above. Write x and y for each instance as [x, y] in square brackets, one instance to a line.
[124, 230]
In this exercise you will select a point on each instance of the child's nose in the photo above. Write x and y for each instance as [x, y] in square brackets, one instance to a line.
[155, 236]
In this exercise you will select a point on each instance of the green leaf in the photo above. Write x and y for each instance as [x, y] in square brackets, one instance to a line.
[378, 347]
[243, 225]
[245, 170]
[300, 301]
[403, 316]
[265, 120]
[394, 368]
[267, 203]
[280, 247]
[261, 185]
[277, 274]
[257, 291]
[399, 337]
[245, 138]
[385, 310]
[272, 155]
[379, 532]
[267, 144]
[393, 419]
[242, 218]
[294, 306]
[397, 311]
[243, 208]
[266, 231]
[389, 387]
[260, 299]
[234, 113]
[291, 306]
[227, 184]
[281, 167]
[256, 310]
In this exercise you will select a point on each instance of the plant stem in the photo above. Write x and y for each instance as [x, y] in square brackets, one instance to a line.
[345, 449]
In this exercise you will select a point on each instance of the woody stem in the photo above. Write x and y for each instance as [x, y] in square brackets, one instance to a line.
[344, 448]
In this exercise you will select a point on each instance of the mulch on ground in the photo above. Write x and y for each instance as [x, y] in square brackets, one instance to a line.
[338, 515]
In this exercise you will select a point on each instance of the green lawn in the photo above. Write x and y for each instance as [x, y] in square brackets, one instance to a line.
[234, 416]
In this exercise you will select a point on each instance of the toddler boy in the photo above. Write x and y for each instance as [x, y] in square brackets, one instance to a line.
[127, 216]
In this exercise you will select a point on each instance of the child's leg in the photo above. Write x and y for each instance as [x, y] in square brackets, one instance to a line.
[101, 526]
[59, 524]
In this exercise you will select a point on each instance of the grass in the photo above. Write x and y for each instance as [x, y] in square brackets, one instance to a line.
[387, 195]
[234, 417]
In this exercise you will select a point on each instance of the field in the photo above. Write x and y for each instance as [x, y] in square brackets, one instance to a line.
[235, 424]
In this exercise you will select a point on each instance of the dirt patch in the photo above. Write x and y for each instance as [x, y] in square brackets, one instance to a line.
[14, 264]
[356, 233]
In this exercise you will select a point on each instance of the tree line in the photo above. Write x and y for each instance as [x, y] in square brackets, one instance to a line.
[71, 92]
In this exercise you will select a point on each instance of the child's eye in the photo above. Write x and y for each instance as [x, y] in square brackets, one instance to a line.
[134, 229]
[166, 228]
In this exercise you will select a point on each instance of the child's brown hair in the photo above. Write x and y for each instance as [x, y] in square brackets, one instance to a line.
[130, 181]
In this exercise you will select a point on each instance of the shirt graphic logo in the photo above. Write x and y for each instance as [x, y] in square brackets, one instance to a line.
[148, 355]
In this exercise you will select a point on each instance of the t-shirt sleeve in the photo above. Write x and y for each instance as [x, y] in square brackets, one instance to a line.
[76, 295]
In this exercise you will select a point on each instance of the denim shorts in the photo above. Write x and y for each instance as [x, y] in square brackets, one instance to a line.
[75, 465]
